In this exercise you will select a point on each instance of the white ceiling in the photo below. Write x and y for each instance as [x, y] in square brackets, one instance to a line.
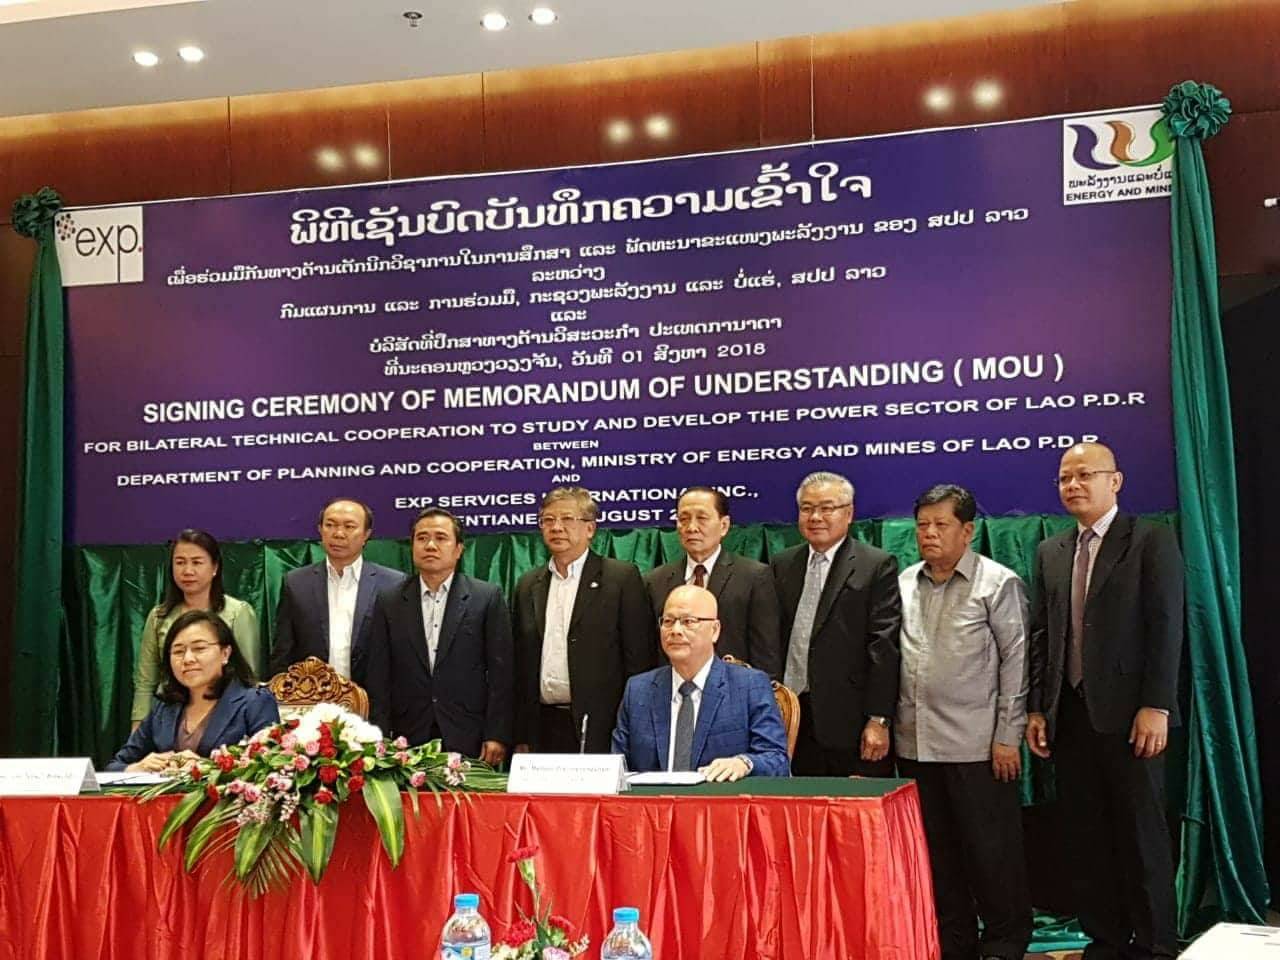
[257, 46]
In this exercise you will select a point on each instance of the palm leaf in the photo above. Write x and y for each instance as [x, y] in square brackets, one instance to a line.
[382, 797]
[221, 815]
[252, 839]
[180, 814]
[319, 829]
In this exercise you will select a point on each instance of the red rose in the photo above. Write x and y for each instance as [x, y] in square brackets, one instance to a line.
[225, 762]
[328, 774]
[211, 792]
[357, 765]
[293, 724]
[519, 933]
[328, 752]
[563, 923]
[323, 796]
[356, 783]
[523, 853]
[194, 772]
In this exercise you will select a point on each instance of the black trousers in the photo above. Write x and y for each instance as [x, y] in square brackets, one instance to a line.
[812, 759]
[973, 825]
[556, 733]
[1119, 854]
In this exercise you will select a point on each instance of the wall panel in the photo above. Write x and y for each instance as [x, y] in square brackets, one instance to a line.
[435, 126]
[1243, 168]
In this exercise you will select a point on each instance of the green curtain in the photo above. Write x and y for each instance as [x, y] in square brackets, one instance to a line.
[1221, 874]
[39, 625]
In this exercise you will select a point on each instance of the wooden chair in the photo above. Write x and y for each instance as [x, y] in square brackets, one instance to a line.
[788, 706]
[313, 681]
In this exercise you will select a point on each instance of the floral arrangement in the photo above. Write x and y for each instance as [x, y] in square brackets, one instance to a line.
[275, 796]
[540, 935]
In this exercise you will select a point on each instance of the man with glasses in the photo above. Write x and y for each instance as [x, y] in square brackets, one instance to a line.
[743, 588]
[325, 609]
[700, 713]
[582, 627]
[1106, 638]
[840, 617]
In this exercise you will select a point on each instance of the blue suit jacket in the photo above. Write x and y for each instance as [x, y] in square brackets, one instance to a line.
[240, 712]
[738, 715]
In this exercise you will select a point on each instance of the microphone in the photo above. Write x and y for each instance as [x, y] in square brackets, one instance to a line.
[582, 735]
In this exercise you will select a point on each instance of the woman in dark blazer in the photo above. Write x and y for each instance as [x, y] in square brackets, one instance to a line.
[207, 698]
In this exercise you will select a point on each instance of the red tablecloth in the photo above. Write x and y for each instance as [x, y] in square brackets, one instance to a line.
[748, 876]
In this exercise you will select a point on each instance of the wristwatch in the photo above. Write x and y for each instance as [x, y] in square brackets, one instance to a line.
[747, 760]
[883, 721]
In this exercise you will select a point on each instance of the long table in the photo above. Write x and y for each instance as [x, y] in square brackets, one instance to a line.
[764, 869]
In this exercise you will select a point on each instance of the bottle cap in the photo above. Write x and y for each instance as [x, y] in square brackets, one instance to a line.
[626, 915]
[466, 901]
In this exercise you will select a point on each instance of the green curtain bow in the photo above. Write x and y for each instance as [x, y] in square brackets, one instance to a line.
[1196, 111]
[33, 213]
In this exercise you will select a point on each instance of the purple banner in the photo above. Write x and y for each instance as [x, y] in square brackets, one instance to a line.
[953, 306]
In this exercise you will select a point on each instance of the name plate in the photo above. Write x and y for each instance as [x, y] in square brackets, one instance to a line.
[588, 774]
[46, 777]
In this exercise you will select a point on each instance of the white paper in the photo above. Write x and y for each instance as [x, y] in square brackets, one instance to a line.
[46, 777]
[128, 778]
[586, 774]
[1236, 941]
[681, 778]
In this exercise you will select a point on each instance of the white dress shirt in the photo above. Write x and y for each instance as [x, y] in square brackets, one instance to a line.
[708, 564]
[433, 603]
[343, 590]
[553, 687]
[700, 681]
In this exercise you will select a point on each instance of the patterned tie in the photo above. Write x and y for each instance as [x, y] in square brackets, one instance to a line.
[797, 673]
[683, 754]
[699, 576]
[1079, 588]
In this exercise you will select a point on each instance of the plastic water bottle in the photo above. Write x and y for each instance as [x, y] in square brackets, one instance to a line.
[466, 935]
[625, 941]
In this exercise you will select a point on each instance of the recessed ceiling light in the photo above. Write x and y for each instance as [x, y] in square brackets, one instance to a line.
[658, 126]
[494, 21]
[328, 158]
[366, 156]
[191, 54]
[987, 93]
[145, 58]
[618, 131]
[542, 16]
[939, 98]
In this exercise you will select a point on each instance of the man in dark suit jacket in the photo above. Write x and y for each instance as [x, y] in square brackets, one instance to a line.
[1106, 638]
[841, 611]
[440, 657]
[325, 608]
[582, 627]
[725, 722]
[743, 588]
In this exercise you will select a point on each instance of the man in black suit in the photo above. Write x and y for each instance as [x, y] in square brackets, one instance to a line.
[582, 627]
[440, 660]
[743, 588]
[325, 608]
[841, 611]
[1106, 637]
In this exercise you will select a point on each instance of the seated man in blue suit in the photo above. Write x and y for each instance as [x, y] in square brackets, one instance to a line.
[700, 713]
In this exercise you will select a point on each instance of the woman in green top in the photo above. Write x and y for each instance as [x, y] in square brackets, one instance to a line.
[195, 565]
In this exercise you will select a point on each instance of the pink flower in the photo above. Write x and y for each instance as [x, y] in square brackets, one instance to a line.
[251, 793]
[380, 748]
[300, 762]
[236, 787]
[312, 748]
[400, 743]
[554, 953]
[402, 756]
[288, 742]
[417, 780]
[455, 761]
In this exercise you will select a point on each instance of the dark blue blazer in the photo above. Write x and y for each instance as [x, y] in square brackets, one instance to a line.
[738, 715]
[241, 711]
[302, 616]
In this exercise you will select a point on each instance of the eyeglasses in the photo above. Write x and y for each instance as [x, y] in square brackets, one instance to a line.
[823, 510]
[1080, 476]
[196, 649]
[668, 623]
[546, 523]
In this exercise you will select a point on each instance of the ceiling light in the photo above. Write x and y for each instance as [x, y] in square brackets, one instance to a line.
[328, 158]
[542, 16]
[366, 156]
[658, 126]
[939, 98]
[494, 21]
[987, 93]
[618, 131]
[191, 54]
[145, 58]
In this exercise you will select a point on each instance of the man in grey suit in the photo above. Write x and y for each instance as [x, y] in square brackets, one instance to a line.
[743, 588]
[1106, 640]
[325, 608]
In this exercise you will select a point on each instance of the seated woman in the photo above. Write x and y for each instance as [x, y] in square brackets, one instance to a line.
[194, 583]
[207, 699]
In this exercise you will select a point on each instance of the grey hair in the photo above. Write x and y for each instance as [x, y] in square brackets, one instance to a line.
[824, 476]
[580, 496]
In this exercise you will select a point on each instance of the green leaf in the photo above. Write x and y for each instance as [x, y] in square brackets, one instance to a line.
[204, 831]
[413, 799]
[250, 842]
[382, 797]
[183, 812]
[319, 829]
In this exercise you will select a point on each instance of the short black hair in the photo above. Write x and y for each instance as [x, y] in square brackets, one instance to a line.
[437, 512]
[171, 688]
[173, 593]
[962, 502]
[368, 512]
[721, 501]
